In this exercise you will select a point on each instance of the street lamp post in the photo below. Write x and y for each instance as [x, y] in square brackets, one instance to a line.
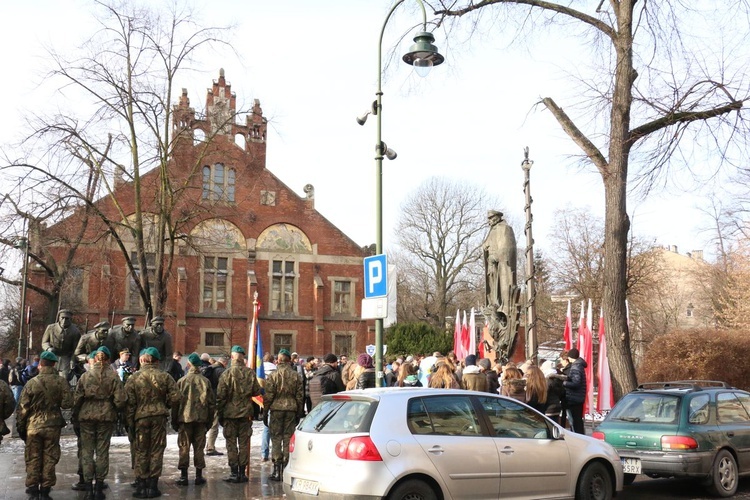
[24, 244]
[423, 55]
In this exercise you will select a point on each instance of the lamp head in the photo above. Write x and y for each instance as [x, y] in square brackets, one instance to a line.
[361, 119]
[387, 152]
[423, 55]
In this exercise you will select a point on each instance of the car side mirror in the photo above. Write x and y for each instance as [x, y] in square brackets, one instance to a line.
[556, 434]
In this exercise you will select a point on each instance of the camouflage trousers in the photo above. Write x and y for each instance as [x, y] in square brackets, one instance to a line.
[281, 425]
[95, 438]
[42, 454]
[150, 442]
[193, 433]
[237, 432]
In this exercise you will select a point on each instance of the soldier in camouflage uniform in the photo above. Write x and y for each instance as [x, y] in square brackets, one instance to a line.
[237, 386]
[156, 336]
[7, 405]
[61, 339]
[39, 420]
[284, 400]
[192, 418]
[151, 393]
[98, 397]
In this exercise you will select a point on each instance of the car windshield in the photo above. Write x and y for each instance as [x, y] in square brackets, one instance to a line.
[647, 408]
[337, 416]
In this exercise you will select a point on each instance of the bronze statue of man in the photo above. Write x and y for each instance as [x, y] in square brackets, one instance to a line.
[499, 261]
[61, 339]
[156, 336]
[501, 289]
[126, 336]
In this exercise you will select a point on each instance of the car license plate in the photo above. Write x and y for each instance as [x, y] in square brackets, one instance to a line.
[631, 465]
[305, 486]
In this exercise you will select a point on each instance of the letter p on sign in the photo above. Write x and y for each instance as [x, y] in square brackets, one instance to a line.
[376, 276]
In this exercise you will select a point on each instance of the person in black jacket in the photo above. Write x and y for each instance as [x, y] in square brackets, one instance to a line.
[175, 367]
[493, 382]
[365, 372]
[327, 380]
[15, 378]
[575, 390]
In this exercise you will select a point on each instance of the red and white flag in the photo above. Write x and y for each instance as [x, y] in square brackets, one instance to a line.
[457, 335]
[472, 333]
[588, 355]
[581, 328]
[606, 399]
[568, 332]
[464, 338]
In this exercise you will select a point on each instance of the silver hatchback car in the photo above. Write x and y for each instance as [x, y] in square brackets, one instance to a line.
[415, 443]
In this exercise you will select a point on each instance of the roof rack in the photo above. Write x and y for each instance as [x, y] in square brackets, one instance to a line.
[695, 385]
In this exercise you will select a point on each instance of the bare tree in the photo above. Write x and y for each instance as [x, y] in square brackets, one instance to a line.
[439, 235]
[654, 98]
[126, 134]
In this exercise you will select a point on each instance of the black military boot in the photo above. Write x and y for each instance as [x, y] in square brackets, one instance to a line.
[241, 477]
[232, 478]
[81, 484]
[89, 492]
[33, 491]
[276, 475]
[140, 488]
[44, 493]
[99, 488]
[183, 480]
[199, 479]
[154, 490]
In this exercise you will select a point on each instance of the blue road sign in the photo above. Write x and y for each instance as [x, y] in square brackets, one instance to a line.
[376, 276]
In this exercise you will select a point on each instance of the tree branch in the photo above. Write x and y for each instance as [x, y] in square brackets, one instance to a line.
[682, 117]
[574, 133]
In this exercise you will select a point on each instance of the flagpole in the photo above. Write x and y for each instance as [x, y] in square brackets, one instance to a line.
[251, 341]
[532, 347]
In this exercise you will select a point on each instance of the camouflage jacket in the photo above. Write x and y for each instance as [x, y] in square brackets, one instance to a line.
[7, 402]
[198, 402]
[61, 342]
[284, 390]
[99, 395]
[42, 399]
[151, 392]
[237, 386]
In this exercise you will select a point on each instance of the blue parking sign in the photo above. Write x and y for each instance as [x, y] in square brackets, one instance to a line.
[376, 276]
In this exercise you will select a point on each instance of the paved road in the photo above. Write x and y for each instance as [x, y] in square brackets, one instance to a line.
[12, 476]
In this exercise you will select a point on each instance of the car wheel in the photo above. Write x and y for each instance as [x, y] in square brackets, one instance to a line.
[595, 483]
[723, 480]
[413, 489]
[629, 478]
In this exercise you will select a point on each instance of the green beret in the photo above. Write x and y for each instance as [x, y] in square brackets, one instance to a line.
[153, 352]
[285, 352]
[195, 360]
[92, 354]
[49, 356]
[143, 351]
[105, 350]
[239, 349]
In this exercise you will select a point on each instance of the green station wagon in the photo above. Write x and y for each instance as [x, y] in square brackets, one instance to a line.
[694, 428]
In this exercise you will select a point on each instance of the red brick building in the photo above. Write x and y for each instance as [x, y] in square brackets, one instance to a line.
[242, 231]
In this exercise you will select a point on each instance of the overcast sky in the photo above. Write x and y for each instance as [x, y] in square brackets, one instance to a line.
[313, 66]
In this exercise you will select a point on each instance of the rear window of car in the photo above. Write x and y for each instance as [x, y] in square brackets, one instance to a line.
[337, 416]
[647, 408]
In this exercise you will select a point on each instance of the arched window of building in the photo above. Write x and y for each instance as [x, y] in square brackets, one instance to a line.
[218, 183]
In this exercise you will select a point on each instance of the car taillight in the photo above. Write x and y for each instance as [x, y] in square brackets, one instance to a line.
[291, 442]
[358, 448]
[598, 435]
[678, 443]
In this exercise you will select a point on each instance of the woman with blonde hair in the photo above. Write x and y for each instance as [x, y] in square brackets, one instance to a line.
[536, 388]
[513, 385]
[407, 376]
[444, 378]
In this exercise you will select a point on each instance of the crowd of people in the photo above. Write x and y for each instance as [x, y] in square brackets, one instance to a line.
[109, 391]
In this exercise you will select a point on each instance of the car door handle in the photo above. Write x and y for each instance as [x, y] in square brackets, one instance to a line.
[436, 450]
[507, 450]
